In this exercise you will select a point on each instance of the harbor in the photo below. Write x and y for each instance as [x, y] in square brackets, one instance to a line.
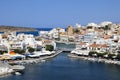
[19, 65]
[59, 40]
[66, 68]
[19, 49]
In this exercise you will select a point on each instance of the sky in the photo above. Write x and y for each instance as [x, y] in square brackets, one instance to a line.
[57, 13]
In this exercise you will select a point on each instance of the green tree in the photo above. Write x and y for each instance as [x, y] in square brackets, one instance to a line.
[16, 50]
[101, 54]
[19, 51]
[30, 49]
[110, 56]
[107, 27]
[118, 56]
[76, 30]
[91, 53]
[1, 52]
[105, 53]
[49, 47]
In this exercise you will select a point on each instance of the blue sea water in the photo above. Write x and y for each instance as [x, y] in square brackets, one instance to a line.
[36, 33]
[44, 29]
[64, 68]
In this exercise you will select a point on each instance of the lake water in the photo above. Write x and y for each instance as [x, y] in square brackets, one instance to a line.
[64, 68]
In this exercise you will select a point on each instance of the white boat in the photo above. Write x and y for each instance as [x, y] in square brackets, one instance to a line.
[17, 73]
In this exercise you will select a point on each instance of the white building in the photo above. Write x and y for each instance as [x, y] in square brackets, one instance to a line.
[43, 33]
[64, 38]
[23, 36]
[4, 42]
[27, 39]
[77, 25]
[54, 33]
[92, 24]
[103, 24]
[30, 42]
[17, 44]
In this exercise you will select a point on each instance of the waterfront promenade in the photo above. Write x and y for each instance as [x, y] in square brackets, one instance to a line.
[12, 69]
[35, 60]
[94, 59]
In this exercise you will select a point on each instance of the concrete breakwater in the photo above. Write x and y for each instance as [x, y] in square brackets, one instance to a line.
[93, 59]
[6, 72]
[5, 68]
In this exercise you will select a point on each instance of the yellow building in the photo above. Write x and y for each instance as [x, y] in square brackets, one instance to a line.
[70, 30]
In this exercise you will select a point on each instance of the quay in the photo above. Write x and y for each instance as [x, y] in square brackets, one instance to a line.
[93, 59]
[35, 60]
[17, 67]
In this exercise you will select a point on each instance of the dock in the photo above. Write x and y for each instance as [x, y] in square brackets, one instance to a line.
[17, 67]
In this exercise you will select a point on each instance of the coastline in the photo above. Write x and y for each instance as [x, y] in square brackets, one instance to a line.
[93, 59]
[4, 28]
[7, 73]
[35, 60]
[29, 61]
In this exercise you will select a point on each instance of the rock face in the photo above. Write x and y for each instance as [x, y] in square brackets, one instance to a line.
[13, 28]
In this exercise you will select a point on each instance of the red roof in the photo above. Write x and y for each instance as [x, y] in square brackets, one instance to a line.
[98, 45]
[47, 41]
[82, 43]
[104, 45]
[107, 37]
[100, 30]
[95, 45]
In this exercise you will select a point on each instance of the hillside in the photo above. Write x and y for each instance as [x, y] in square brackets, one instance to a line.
[14, 28]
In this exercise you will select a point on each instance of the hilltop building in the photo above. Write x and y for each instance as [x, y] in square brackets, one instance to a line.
[70, 30]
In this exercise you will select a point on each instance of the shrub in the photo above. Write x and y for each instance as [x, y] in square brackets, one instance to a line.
[91, 53]
[49, 47]
[111, 56]
[118, 56]
[19, 51]
[101, 54]
[1, 52]
[76, 30]
[30, 49]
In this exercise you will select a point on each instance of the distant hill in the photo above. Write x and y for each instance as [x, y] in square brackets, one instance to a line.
[15, 28]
